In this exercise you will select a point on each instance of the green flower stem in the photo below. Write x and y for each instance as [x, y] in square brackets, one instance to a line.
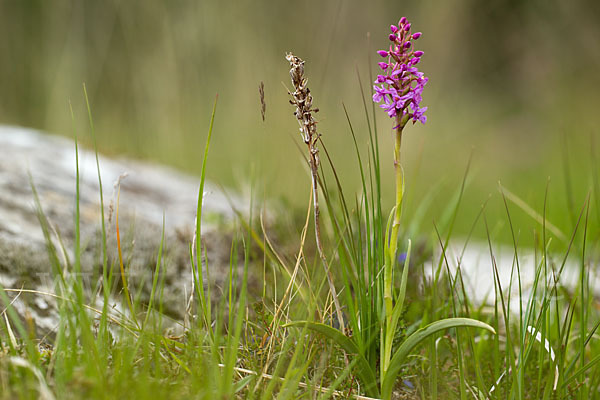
[399, 192]
[392, 246]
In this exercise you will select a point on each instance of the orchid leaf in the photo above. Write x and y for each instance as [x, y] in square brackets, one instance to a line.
[413, 340]
[365, 372]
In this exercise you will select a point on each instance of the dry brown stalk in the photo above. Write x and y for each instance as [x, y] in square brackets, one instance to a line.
[302, 99]
[263, 104]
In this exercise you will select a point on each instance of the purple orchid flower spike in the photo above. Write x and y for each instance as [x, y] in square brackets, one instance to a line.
[401, 84]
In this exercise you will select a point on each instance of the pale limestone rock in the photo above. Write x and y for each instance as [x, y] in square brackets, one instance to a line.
[148, 193]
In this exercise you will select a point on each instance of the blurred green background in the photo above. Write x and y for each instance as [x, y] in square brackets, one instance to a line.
[515, 83]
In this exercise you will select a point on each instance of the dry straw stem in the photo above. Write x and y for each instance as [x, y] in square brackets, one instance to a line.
[302, 99]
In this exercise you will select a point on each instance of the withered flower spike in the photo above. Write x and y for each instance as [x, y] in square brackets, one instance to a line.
[302, 99]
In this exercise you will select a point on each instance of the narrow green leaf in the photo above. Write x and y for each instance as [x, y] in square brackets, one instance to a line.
[388, 228]
[397, 312]
[242, 383]
[204, 302]
[581, 371]
[413, 340]
[401, 296]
